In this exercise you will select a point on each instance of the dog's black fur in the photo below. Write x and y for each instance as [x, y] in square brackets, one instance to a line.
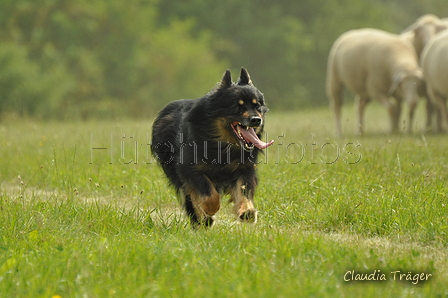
[203, 153]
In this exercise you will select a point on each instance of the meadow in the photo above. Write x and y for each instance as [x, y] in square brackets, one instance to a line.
[86, 212]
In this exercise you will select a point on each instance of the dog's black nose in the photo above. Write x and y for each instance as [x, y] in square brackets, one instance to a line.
[255, 121]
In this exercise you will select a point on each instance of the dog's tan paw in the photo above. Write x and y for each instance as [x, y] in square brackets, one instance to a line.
[248, 216]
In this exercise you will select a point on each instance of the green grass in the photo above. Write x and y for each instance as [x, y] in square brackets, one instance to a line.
[83, 222]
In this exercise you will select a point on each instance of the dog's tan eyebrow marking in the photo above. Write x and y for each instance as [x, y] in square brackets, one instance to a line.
[240, 102]
[254, 101]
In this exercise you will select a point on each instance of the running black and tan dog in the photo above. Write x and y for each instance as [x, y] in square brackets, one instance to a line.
[209, 146]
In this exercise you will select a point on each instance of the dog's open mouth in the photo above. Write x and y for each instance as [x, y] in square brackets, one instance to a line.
[248, 137]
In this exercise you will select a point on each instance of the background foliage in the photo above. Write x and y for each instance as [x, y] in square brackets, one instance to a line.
[107, 58]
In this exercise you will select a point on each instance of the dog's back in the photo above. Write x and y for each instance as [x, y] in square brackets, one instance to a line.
[165, 134]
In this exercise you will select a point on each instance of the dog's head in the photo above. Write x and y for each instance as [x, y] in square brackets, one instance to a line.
[241, 110]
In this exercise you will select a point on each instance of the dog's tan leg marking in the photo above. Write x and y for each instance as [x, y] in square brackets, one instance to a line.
[210, 204]
[244, 207]
[206, 206]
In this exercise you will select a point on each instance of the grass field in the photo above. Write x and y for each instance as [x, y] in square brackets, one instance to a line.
[86, 212]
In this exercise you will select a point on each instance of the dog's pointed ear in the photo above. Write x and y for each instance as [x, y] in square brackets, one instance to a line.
[244, 77]
[226, 80]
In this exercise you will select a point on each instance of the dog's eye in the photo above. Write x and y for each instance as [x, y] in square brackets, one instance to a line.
[239, 108]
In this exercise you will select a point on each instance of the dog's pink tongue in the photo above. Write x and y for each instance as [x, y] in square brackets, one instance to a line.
[250, 136]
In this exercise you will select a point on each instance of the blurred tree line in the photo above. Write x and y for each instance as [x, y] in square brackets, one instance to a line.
[75, 59]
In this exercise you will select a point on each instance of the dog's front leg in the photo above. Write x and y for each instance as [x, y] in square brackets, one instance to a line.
[242, 194]
[202, 200]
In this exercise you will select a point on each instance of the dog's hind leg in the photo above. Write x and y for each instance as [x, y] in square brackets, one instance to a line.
[241, 194]
[201, 202]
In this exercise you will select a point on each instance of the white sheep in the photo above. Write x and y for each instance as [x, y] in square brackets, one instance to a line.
[434, 61]
[373, 64]
[419, 33]
[422, 30]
